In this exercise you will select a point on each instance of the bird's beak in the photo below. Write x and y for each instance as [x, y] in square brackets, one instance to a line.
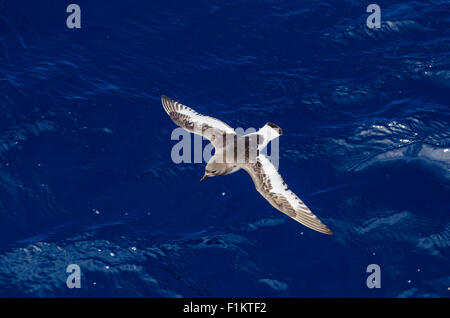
[204, 177]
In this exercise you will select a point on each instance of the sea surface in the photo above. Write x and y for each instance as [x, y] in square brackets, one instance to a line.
[87, 176]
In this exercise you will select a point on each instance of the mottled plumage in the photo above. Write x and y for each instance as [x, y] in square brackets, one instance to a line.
[228, 159]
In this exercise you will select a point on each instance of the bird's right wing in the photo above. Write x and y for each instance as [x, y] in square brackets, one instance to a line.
[271, 186]
[187, 118]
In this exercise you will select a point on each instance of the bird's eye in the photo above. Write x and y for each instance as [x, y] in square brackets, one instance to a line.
[214, 171]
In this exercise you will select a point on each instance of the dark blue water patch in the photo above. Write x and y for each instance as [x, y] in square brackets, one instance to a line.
[85, 148]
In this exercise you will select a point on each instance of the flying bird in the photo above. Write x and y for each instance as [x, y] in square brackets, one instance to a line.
[234, 152]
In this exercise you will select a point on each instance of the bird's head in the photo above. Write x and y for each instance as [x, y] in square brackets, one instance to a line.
[213, 169]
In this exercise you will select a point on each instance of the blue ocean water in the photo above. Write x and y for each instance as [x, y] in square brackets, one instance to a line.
[86, 175]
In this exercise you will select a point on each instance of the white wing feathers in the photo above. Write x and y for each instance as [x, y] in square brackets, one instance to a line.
[271, 186]
[194, 122]
[267, 133]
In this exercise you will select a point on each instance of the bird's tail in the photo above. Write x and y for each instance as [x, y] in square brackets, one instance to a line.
[267, 133]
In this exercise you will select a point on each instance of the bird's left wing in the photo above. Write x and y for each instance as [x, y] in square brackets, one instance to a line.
[271, 186]
[194, 122]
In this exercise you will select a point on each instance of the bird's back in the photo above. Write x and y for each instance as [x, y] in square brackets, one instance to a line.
[235, 149]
